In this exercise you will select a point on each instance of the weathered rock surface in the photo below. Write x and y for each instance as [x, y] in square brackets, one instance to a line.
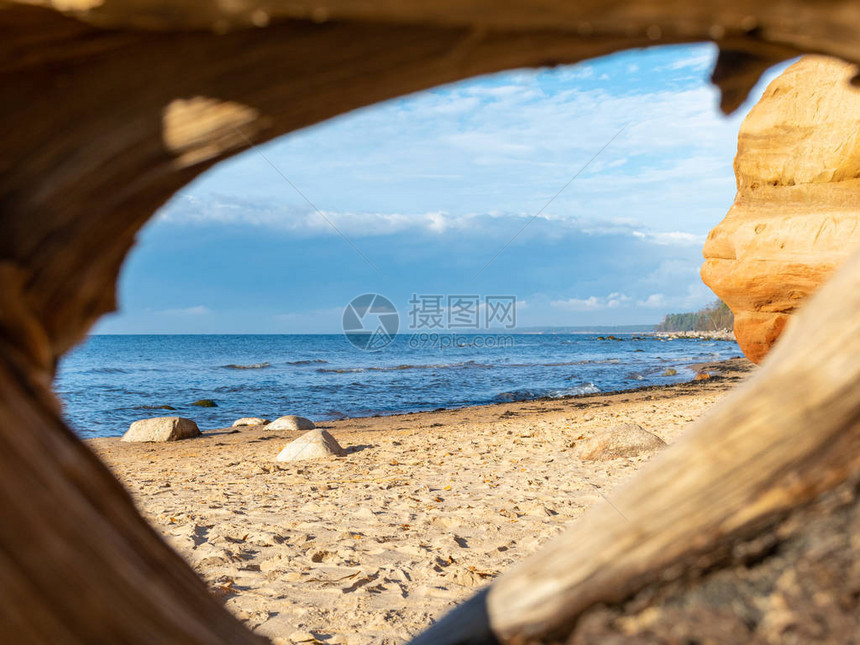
[315, 444]
[291, 422]
[250, 421]
[161, 429]
[796, 214]
[625, 440]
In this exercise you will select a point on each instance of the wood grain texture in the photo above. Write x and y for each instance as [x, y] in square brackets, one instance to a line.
[94, 142]
[790, 434]
[78, 564]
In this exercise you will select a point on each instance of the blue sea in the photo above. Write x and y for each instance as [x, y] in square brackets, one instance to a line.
[110, 381]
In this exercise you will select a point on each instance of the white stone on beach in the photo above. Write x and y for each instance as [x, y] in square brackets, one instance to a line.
[625, 440]
[250, 421]
[311, 445]
[291, 422]
[161, 429]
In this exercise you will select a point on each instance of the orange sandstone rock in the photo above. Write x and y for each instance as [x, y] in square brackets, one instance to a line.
[796, 214]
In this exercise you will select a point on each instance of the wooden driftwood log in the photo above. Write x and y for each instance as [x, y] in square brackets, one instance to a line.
[770, 447]
[111, 107]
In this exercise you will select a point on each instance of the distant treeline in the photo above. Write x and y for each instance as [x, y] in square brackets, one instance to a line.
[711, 318]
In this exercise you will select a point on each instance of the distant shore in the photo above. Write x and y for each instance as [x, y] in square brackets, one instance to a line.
[625, 334]
[717, 334]
[425, 508]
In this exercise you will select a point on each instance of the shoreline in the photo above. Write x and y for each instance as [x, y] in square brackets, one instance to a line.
[424, 509]
[730, 369]
[719, 369]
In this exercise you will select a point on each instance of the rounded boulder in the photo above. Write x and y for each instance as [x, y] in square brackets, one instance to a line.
[250, 421]
[316, 444]
[161, 429]
[291, 422]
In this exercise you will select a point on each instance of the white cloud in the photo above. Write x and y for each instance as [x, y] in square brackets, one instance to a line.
[510, 141]
[700, 61]
[689, 297]
[654, 301]
[230, 211]
[222, 210]
[580, 71]
[518, 91]
[592, 303]
[464, 167]
[486, 142]
[671, 238]
[693, 297]
[452, 106]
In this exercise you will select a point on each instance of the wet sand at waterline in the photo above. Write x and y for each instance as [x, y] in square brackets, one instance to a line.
[423, 510]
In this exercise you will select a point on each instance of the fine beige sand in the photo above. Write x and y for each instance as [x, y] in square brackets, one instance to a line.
[423, 510]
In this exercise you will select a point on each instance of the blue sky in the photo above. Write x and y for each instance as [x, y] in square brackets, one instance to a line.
[431, 186]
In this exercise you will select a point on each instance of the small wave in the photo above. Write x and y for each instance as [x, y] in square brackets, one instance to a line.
[605, 361]
[109, 370]
[528, 395]
[517, 395]
[463, 365]
[475, 365]
[315, 361]
[587, 388]
[146, 407]
[398, 368]
[247, 389]
[252, 366]
[432, 366]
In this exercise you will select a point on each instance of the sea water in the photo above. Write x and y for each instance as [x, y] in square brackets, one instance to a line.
[110, 381]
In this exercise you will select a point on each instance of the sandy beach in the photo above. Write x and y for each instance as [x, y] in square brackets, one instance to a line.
[424, 509]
